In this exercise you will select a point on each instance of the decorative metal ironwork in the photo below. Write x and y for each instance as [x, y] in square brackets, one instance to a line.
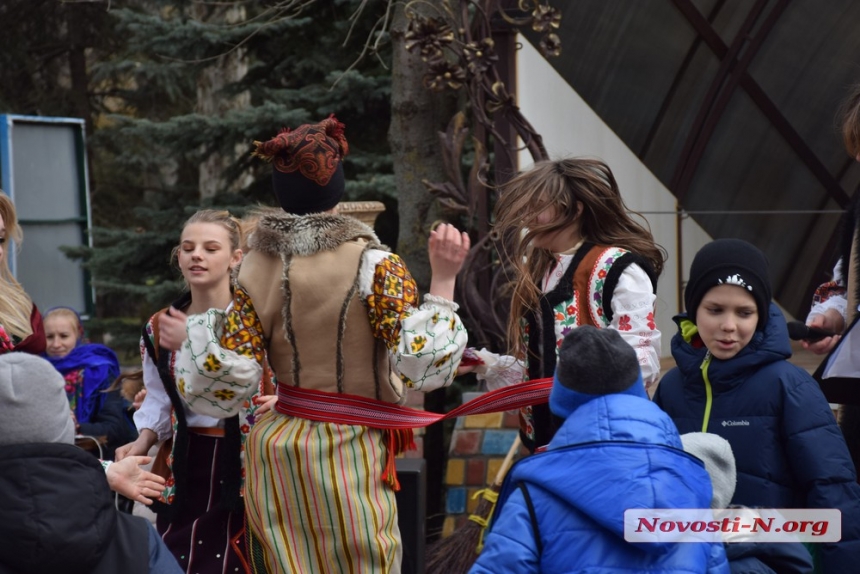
[460, 45]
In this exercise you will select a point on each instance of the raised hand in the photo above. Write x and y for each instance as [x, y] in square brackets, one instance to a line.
[139, 397]
[265, 403]
[447, 248]
[830, 320]
[139, 447]
[172, 331]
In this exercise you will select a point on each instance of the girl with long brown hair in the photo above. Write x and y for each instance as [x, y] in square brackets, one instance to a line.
[579, 259]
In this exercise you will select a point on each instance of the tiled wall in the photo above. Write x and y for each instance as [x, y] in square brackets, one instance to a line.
[479, 444]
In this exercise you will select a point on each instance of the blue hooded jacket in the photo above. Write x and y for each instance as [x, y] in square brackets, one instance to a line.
[788, 449]
[614, 452]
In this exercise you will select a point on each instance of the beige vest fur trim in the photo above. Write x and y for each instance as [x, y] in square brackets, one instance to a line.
[302, 277]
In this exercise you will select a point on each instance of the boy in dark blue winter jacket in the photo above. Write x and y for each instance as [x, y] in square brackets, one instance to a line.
[733, 379]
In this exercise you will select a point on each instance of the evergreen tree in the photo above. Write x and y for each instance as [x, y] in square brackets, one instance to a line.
[283, 70]
[44, 50]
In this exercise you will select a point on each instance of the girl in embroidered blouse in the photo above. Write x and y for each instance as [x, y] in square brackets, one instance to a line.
[89, 370]
[20, 322]
[579, 258]
[200, 511]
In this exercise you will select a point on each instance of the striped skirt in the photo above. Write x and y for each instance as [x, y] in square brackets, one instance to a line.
[314, 499]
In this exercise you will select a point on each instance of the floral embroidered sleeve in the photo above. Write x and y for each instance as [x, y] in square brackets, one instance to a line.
[426, 341]
[219, 365]
[154, 413]
[633, 317]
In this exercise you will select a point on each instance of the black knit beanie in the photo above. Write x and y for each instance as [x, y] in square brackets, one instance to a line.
[732, 262]
[308, 174]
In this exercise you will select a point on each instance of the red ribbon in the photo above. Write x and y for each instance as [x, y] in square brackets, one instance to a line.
[352, 409]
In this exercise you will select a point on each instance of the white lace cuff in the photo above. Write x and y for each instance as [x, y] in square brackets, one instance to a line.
[436, 300]
[499, 370]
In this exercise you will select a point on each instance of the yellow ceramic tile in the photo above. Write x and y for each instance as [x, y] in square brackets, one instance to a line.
[448, 526]
[493, 466]
[455, 474]
[485, 421]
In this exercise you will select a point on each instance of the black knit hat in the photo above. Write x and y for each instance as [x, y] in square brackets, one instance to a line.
[593, 362]
[732, 262]
[308, 174]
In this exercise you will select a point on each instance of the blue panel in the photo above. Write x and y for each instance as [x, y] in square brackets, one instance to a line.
[5, 152]
[43, 169]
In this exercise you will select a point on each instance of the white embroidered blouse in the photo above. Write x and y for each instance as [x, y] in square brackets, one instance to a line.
[218, 366]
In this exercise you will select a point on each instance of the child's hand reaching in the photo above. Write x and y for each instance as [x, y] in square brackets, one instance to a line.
[448, 249]
[130, 480]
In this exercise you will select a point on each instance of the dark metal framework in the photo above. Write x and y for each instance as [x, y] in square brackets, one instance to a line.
[471, 46]
[682, 82]
[735, 60]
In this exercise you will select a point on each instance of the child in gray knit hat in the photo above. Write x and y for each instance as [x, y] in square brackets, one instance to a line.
[33, 406]
[716, 453]
[58, 510]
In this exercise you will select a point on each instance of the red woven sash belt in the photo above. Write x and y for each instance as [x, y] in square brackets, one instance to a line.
[355, 410]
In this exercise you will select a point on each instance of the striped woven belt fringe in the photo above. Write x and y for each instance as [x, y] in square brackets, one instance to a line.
[351, 409]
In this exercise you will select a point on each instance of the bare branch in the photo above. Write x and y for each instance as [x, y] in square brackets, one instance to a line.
[355, 17]
[382, 24]
[292, 4]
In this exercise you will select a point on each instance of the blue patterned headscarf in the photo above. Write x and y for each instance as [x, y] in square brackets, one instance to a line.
[88, 369]
[98, 366]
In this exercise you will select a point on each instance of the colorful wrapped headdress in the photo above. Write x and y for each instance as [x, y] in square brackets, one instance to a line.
[308, 171]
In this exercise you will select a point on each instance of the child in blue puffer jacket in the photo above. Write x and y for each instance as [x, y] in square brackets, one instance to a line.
[733, 379]
[562, 510]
